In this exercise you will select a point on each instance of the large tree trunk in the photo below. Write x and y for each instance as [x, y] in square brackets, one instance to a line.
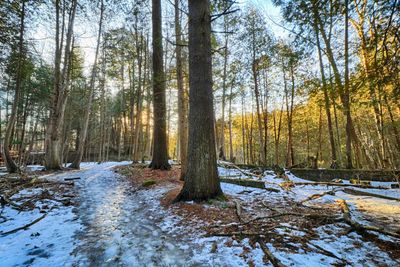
[10, 164]
[160, 151]
[77, 161]
[201, 180]
[61, 83]
[182, 95]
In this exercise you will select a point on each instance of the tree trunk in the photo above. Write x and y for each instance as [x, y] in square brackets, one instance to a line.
[259, 120]
[160, 151]
[231, 157]
[77, 161]
[327, 102]
[61, 83]
[182, 95]
[343, 90]
[9, 162]
[224, 77]
[201, 180]
[346, 98]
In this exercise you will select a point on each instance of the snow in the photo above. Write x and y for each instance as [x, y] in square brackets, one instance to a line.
[116, 226]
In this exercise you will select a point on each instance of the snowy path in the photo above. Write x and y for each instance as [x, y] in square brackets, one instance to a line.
[120, 226]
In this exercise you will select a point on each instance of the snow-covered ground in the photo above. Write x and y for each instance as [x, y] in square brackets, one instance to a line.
[115, 225]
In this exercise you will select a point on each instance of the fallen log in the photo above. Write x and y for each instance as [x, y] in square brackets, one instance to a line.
[358, 227]
[244, 182]
[249, 183]
[274, 260]
[368, 194]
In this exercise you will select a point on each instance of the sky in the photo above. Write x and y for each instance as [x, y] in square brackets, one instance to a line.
[86, 31]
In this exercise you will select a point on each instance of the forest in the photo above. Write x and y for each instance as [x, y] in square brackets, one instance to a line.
[200, 133]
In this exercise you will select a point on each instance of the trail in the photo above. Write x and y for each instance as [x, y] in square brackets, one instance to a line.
[121, 226]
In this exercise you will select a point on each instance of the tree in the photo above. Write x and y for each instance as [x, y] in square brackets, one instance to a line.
[160, 152]
[60, 93]
[201, 180]
[182, 94]
[10, 164]
[82, 139]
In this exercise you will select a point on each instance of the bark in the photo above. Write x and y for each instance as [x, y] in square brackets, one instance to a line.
[160, 151]
[182, 95]
[77, 161]
[201, 180]
[9, 162]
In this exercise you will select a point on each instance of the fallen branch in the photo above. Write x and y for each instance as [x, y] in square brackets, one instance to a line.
[368, 194]
[71, 178]
[358, 227]
[24, 227]
[274, 260]
[307, 215]
[328, 253]
[319, 195]
[340, 184]
[224, 164]
[5, 200]
[250, 234]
